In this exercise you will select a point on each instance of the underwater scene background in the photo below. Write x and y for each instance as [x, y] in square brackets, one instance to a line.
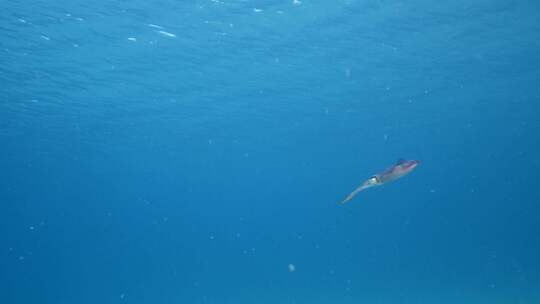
[195, 151]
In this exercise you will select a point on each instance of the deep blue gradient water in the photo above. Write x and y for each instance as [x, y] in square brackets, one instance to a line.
[190, 151]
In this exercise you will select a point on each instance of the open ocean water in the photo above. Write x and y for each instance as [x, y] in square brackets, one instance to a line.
[195, 151]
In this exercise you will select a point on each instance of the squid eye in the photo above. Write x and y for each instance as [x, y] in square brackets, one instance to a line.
[373, 180]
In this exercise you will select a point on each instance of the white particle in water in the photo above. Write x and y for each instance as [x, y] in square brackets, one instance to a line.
[291, 267]
[164, 33]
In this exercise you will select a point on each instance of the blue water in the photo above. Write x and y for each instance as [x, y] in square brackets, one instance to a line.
[195, 151]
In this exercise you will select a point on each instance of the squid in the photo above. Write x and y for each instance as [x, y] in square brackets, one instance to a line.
[399, 169]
